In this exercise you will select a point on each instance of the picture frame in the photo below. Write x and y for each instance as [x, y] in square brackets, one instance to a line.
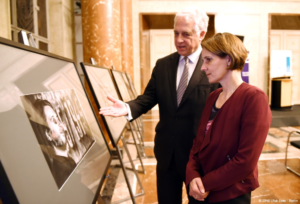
[101, 83]
[134, 94]
[131, 84]
[124, 89]
[28, 74]
[123, 86]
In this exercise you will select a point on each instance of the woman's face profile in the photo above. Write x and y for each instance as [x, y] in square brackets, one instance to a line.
[214, 66]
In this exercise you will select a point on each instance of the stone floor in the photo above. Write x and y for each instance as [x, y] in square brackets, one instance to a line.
[277, 185]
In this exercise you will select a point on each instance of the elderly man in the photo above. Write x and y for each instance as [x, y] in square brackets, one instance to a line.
[180, 89]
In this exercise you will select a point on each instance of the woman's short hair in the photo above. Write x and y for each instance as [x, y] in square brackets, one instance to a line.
[223, 44]
[199, 16]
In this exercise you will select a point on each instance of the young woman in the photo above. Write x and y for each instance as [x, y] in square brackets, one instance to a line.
[222, 166]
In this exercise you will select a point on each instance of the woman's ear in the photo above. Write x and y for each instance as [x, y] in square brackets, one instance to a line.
[228, 60]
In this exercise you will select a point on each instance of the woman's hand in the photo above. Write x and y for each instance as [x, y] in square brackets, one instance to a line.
[197, 189]
[116, 110]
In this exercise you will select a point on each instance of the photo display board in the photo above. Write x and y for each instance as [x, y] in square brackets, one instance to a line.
[51, 145]
[281, 63]
[102, 85]
[134, 95]
[123, 86]
[131, 85]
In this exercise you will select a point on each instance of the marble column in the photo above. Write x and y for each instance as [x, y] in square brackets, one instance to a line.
[126, 37]
[101, 32]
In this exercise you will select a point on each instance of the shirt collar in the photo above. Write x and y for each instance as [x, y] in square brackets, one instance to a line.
[194, 56]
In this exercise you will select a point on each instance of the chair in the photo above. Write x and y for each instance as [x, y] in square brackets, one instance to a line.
[295, 144]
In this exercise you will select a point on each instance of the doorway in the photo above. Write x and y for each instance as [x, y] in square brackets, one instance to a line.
[284, 32]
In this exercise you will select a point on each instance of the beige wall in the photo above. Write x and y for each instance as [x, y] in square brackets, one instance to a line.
[5, 19]
[61, 28]
[244, 17]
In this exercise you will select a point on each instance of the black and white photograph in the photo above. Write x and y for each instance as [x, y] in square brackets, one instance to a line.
[59, 160]
[61, 129]
[124, 86]
[129, 81]
[103, 85]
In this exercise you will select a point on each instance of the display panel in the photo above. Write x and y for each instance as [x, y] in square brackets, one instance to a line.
[134, 95]
[30, 145]
[131, 85]
[102, 85]
[281, 63]
[123, 87]
[132, 92]
[126, 93]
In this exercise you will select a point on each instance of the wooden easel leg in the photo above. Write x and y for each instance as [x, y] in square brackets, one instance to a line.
[138, 152]
[125, 173]
[133, 168]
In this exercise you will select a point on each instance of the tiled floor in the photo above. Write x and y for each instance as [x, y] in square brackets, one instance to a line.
[277, 185]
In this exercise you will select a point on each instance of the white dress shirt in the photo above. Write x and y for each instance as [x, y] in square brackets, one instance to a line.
[193, 59]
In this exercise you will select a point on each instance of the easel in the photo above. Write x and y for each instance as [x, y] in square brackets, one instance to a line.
[117, 150]
[124, 95]
[28, 40]
[139, 125]
[139, 120]
[135, 130]
[133, 127]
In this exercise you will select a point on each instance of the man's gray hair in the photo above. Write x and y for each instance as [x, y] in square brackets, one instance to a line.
[199, 16]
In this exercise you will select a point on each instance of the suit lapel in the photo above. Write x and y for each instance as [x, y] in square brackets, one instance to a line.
[172, 72]
[196, 77]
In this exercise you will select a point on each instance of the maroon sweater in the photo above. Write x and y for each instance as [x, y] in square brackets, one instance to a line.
[229, 152]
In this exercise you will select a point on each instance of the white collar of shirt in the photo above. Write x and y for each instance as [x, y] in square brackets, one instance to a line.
[193, 60]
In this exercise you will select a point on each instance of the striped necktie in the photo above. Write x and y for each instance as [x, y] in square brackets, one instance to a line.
[183, 81]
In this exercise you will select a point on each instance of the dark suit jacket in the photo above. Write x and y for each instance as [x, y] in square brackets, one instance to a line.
[229, 152]
[177, 126]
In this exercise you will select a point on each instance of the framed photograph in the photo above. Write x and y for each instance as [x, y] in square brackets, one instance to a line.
[123, 86]
[134, 94]
[101, 85]
[131, 84]
[61, 129]
[51, 146]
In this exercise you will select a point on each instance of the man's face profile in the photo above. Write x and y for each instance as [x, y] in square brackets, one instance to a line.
[56, 132]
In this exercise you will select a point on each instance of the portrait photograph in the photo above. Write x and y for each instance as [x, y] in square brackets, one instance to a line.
[103, 85]
[129, 81]
[123, 87]
[61, 130]
[131, 85]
